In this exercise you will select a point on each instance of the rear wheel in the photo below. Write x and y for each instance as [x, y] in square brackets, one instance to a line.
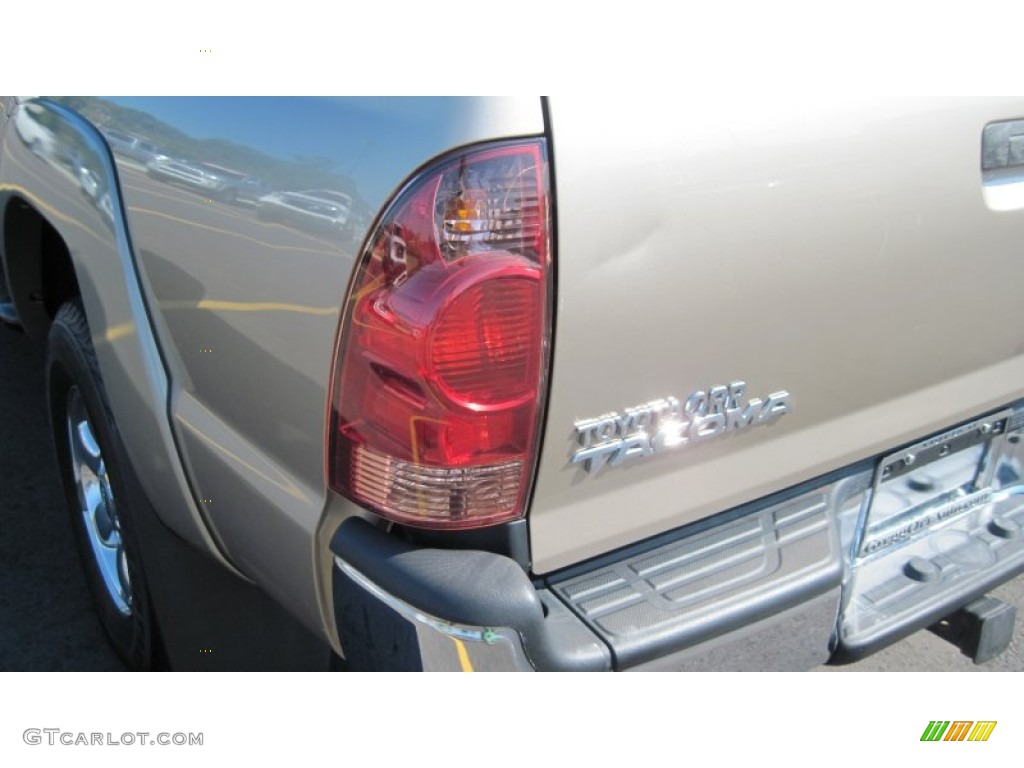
[101, 490]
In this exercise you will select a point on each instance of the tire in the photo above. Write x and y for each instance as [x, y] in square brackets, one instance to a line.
[102, 493]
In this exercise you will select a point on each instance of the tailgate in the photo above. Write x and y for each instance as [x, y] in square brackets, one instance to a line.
[840, 261]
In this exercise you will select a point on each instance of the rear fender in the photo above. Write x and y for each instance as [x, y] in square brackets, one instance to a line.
[57, 164]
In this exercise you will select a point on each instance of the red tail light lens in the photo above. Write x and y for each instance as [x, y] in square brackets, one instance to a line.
[439, 380]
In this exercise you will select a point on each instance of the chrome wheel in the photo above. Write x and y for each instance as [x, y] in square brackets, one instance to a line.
[97, 504]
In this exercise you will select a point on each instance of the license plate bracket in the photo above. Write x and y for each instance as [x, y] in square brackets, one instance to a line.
[931, 483]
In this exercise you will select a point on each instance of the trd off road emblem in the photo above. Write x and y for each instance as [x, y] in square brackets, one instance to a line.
[667, 423]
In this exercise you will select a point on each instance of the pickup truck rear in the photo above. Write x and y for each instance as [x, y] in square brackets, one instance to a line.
[527, 383]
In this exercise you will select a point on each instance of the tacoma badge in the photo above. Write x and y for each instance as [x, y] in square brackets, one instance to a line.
[668, 423]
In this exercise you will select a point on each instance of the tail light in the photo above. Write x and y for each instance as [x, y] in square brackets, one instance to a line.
[439, 377]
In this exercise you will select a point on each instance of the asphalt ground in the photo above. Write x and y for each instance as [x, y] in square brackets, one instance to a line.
[46, 616]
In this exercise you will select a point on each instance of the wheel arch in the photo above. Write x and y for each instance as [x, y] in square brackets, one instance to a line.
[40, 275]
